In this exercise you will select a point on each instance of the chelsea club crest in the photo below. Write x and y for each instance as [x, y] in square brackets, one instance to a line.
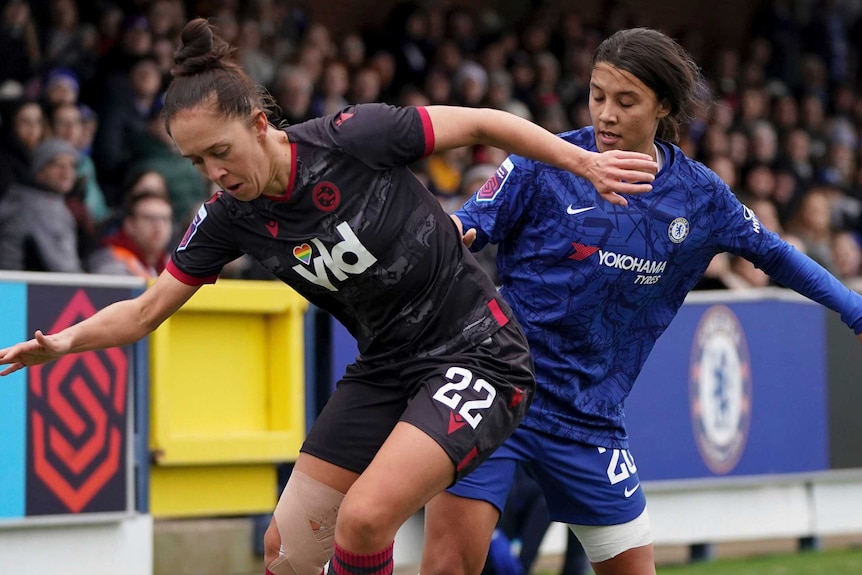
[678, 229]
[720, 390]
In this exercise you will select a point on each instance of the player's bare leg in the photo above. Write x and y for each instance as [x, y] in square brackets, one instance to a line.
[409, 470]
[636, 561]
[458, 534]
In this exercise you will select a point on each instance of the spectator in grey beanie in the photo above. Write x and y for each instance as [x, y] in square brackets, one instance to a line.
[37, 230]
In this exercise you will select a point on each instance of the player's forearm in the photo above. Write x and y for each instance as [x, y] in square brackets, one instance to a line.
[118, 324]
[524, 138]
[454, 127]
[795, 270]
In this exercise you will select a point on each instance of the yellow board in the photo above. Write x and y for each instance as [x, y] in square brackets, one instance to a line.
[212, 490]
[227, 389]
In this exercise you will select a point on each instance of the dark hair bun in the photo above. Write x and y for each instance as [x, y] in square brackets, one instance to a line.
[200, 49]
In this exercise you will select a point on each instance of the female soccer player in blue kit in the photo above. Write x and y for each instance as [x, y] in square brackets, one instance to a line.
[594, 285]
[331, 208]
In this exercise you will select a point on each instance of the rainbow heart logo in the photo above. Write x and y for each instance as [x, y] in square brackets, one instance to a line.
[302, 253]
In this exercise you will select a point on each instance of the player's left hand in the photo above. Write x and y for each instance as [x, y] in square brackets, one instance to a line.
[618, 172]
[469, 237]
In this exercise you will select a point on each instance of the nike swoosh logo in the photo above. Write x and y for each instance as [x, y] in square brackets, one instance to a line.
[628, 493]
[574, 211]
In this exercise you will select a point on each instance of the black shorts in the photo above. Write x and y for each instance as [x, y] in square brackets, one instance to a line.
[469, 402]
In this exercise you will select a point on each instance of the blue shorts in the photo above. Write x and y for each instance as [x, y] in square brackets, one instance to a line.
[582, 484]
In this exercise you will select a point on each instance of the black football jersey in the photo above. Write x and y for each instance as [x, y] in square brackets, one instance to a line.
[358, 235]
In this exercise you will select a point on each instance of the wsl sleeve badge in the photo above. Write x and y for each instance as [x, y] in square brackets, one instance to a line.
[193, 228]
[720, 389]
[489, 191]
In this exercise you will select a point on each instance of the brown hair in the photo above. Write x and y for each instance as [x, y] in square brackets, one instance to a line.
[131, 201]
[665, 67]
[206, 69]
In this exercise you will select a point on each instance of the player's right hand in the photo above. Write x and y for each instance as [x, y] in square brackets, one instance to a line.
[41, 349]
[616, 172]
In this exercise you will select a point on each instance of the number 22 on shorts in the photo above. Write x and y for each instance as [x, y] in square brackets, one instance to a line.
[460, 379]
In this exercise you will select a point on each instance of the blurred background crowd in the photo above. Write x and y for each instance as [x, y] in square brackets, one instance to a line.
[90, 181]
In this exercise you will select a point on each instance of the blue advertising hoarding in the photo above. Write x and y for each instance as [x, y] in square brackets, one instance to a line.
[732, 389]
[344, 351]
[13, 394]
[65, 426]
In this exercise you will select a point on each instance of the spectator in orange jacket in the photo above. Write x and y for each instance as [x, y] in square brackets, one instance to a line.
[140, 246]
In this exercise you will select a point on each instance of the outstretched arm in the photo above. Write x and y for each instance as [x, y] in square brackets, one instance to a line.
[612, 172]
[118, 324]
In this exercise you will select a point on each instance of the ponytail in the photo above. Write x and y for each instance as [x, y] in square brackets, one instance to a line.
[206, 73]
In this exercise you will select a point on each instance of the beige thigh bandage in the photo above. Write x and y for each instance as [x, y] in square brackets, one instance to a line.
[305, 517]
[603, 542]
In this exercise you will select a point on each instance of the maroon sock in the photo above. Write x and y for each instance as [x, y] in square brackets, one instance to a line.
[347, 563]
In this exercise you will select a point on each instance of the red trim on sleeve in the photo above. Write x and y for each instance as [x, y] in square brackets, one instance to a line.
[186, 278]
[429, 130]
[497, 312]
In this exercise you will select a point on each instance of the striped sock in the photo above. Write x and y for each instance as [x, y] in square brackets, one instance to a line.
[347, 563]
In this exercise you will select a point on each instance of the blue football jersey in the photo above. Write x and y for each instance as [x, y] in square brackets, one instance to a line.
[594, 285]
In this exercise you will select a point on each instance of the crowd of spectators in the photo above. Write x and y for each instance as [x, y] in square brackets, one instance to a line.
[783, 132]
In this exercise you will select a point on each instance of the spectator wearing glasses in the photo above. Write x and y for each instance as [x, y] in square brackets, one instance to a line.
[140, 246]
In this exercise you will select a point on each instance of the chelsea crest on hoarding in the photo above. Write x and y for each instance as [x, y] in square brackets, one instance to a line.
[720, 390]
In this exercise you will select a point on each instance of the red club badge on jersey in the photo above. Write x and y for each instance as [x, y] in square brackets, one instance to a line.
[326, 196]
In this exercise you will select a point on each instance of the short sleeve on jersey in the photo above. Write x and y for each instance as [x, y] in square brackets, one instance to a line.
[383, 136]
[206, 246]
